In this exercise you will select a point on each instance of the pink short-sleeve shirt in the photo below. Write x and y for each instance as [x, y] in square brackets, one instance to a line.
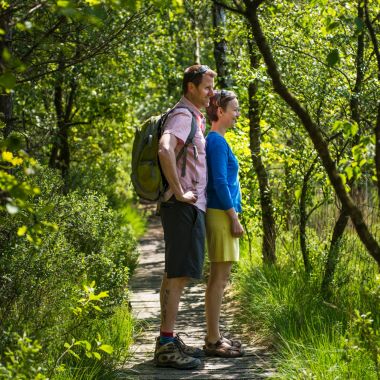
[179, 125]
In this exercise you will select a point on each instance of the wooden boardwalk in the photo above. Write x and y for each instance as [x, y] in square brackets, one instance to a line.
[145, 305]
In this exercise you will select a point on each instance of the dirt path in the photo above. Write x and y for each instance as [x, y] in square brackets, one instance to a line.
[145, 305]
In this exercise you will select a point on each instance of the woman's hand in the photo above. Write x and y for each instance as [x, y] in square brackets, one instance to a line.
[237, 229]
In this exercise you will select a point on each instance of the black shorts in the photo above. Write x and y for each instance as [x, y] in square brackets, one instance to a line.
[184, 233]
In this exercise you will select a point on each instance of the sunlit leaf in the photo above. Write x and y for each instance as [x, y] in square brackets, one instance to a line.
[22, 231]
[106, 348]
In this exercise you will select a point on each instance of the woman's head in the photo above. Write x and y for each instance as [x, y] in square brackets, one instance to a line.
[223, 104]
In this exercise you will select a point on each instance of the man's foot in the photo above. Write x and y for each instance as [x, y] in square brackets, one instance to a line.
[195, 352]
[171, 355]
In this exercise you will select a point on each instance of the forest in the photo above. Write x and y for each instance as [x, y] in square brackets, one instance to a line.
[78, 76]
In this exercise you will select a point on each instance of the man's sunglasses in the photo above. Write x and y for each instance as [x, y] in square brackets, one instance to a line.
[201, 70]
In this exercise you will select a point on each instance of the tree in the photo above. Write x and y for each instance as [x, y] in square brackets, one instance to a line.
[250, 11]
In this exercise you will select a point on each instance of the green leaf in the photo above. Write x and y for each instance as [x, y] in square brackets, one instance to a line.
[349, 172]
[97, 356]
[71, 352]
[63, 3]
[106, 348]
[7, 81]
[22, 230]
[333, 58]
[6, 54]
[103, 294]
[354, 129]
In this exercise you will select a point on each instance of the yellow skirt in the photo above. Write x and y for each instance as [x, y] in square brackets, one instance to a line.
[221, 245]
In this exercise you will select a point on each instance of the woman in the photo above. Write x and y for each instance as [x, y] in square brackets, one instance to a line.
[223, 228]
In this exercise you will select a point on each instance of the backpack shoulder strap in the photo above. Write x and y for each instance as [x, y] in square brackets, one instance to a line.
[194, 126]
[183, 152]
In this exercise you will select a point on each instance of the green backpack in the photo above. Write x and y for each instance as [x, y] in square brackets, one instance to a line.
[147, 177]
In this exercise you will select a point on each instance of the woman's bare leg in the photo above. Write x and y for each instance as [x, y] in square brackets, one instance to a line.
[219, 275]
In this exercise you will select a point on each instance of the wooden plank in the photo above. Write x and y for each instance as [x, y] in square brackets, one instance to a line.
[191, 320]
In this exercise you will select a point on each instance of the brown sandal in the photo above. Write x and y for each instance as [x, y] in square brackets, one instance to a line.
[222, 349]
[232, 342]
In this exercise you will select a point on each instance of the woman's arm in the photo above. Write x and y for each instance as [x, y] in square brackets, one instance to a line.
[217, 157]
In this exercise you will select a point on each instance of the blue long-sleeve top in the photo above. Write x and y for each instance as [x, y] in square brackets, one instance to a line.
[223, 188]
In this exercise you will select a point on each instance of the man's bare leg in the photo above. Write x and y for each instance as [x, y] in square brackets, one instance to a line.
[170, 295]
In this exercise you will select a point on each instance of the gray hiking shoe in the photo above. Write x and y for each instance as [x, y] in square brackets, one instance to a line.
[195, 352]
[172, 355]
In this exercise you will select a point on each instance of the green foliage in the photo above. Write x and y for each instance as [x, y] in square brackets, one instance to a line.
[313, 339]
[364, 337]
[90, 242]
[23, 356]
[119, 61]
[21, 363]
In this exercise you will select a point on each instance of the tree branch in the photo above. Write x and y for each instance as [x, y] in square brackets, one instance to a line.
[45, 35]
[316, 59]
[229, 8]
[373, 36]
[103, 48]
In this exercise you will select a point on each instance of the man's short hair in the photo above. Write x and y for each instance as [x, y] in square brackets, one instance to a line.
[194, 74]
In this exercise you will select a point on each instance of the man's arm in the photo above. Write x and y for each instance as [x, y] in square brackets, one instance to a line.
[166, 154]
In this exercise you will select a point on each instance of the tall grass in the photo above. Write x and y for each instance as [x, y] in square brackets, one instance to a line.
[116, 331]
[313, 339]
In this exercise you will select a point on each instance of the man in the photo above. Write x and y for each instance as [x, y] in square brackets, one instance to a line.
[182, 211]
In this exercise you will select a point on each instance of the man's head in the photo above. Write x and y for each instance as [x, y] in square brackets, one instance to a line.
[198, 84]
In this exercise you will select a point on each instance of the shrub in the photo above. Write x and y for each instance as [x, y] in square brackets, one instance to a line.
[39, 279]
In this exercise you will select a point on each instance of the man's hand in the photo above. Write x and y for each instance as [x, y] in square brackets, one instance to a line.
[188, 197]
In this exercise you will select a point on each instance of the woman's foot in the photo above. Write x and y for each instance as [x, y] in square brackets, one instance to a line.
[232, 342]
[222, 349]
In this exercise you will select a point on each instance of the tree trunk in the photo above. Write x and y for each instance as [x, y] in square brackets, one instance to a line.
[60, 153]
[268, 222]
[341, 223]
[6, 99]
[288, 194]
[315, 135]
[304, 218]
[332, 257]
[58, 105]
[193, 16]
[220, 46]
[197, 48]
[376, 50]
